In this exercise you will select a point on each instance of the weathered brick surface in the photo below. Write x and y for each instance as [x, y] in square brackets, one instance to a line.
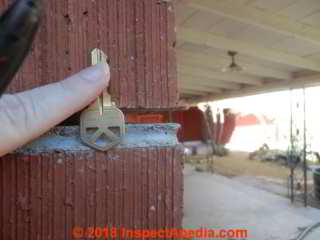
[137, 35]
[43, 196]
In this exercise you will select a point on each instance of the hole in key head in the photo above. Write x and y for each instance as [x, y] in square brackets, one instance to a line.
[103, 140]
[91, 131]
[115, 130]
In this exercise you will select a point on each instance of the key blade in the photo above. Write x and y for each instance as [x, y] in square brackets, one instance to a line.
[95, 56]
[102, 125]
[106, 99]
[97, 105]
[98, 56]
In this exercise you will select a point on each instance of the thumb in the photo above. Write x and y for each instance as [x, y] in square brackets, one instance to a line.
[27, 115]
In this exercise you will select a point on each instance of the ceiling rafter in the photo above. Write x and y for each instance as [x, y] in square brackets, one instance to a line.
[190, 90]
[228, 77]
[209, 82]
[258, 17]
[204, 60]
[215, 41]
[300, 82]
[199, 88]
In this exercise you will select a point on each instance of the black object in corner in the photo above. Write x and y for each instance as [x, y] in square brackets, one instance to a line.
[18, 26]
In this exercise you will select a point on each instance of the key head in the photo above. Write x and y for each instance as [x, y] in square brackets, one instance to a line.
[102, 132]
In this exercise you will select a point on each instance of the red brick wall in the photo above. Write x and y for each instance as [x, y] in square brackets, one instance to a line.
[43, 196]
[192, 124]
[137, 35]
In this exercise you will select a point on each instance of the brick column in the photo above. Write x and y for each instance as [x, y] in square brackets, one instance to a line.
[56, 184]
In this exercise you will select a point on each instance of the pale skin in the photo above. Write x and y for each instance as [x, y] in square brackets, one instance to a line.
[27, 115]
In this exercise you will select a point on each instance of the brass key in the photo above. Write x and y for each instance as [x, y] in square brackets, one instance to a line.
[102, 124]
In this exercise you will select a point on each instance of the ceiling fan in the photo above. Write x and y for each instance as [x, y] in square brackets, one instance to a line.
[233, 66]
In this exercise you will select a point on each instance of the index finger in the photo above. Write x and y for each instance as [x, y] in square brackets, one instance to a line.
[29, 114]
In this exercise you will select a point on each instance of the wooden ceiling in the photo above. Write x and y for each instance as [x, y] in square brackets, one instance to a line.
[278, 45]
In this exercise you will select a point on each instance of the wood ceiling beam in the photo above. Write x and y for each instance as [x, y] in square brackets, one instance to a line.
[189, 92]
[215, 41]
[313, 80]
[204, 60]
[207, 82]
[193, 86]
[207, 73]
[192, 91]
[260, 18]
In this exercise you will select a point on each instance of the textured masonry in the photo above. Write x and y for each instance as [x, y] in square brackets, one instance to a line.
[137, 35]
[57, 183]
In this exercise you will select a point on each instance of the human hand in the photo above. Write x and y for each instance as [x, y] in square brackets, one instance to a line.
[27, 115]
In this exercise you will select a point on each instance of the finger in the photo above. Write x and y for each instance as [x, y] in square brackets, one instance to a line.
[27, 115]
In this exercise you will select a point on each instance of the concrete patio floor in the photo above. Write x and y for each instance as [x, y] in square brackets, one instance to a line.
[212, 200]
